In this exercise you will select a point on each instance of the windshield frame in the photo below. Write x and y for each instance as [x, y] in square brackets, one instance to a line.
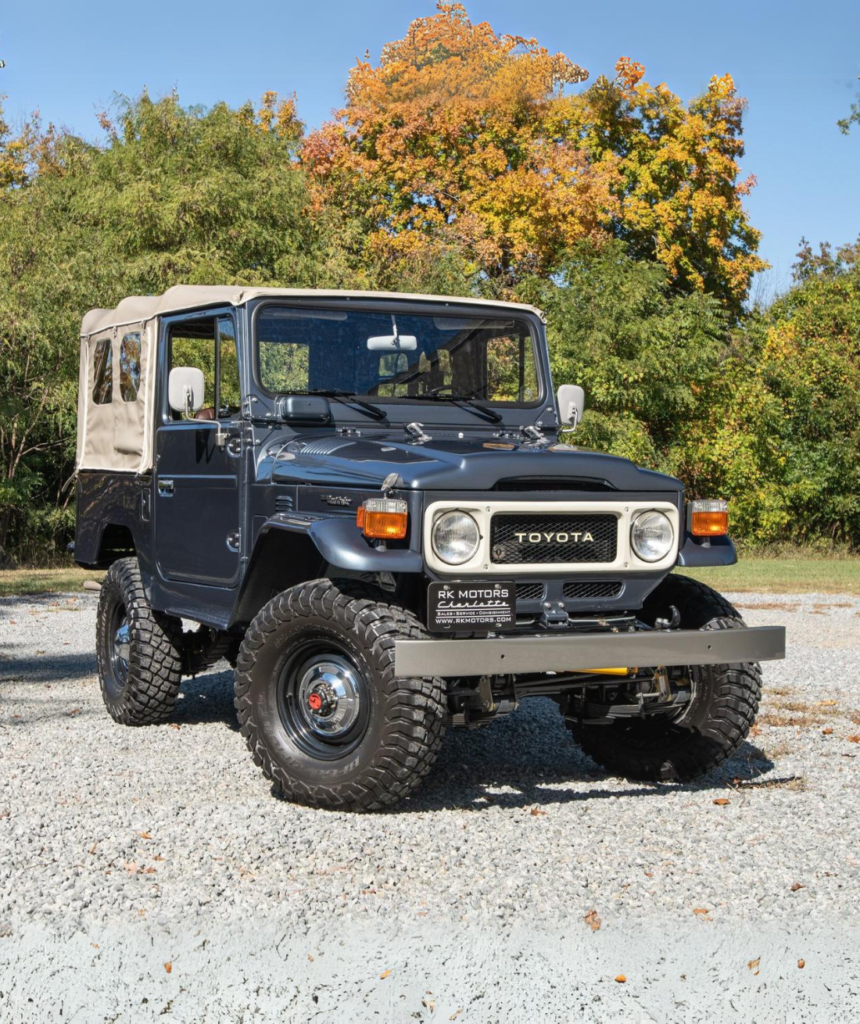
[430, 409]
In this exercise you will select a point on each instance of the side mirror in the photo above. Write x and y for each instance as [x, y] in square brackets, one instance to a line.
[185, 390]
[571, 404]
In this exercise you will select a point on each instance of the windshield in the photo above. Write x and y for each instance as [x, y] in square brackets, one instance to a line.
[397, 355]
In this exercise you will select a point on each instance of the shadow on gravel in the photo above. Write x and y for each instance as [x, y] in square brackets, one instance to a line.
[206, 699]
[517, 762]
[44, 668]
[523, 761]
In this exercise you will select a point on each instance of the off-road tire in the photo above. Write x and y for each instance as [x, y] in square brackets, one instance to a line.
[724, 706]
[406, 717]
[147, 694]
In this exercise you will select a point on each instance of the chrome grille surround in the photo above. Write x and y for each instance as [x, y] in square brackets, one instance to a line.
[483, 564]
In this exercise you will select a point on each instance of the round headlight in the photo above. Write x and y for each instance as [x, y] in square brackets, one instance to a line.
[456, 537]
[652, 536]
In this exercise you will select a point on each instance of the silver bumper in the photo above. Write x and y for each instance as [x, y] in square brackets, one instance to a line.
[552, 653]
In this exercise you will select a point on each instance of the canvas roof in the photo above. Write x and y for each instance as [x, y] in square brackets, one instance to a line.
[140, 308]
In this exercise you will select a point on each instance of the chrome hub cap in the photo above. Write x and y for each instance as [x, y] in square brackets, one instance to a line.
[328, 696]
[121, 646]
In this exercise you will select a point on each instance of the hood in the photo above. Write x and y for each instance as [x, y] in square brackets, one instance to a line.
[453, 464]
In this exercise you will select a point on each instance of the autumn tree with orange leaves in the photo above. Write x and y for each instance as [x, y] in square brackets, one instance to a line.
[468, 142]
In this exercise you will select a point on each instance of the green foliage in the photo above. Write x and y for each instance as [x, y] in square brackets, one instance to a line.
[175, 195]
[767, 415]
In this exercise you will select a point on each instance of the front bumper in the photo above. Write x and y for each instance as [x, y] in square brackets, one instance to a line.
[552, 653]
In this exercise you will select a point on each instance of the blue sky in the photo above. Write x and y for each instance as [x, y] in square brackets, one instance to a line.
[797, 63]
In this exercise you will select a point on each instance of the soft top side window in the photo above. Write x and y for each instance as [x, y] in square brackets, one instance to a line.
[103, 373]
[129, 367]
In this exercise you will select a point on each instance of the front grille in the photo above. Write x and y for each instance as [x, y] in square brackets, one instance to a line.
[518, 538]
[592, 588]
[530, 591]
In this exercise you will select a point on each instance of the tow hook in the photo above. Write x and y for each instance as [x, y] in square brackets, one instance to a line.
[671, 623]
[554, 617]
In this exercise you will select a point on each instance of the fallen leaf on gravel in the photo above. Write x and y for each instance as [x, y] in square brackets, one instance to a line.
[701, 910]
[592, 920]
[796, 886]
[385, 973]
[855, 719]
[456, 1014]
[827, 703]
[310, 958]
[535, 811]
[854, 739]
[827, 732]
[150, 871]
[144, 835]
[95, 945]
[158, 857]
[168, 967]
[721, 801]
[801, 964]
[175, 725]
[75, 711]
[621, 978]
[753, 964]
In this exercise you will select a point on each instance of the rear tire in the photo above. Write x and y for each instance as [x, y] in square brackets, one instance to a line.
[320, 707]
[723, 707]
[138, 650]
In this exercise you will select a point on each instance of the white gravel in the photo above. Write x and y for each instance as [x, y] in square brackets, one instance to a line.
[122, 850]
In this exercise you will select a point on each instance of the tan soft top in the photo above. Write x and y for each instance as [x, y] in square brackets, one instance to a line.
[140, 308]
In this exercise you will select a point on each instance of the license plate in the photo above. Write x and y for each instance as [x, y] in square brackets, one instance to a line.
[463, 607]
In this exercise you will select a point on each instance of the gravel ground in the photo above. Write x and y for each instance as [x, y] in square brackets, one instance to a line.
[150, 874]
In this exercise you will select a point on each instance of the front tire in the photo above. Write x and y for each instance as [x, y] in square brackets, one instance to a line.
[320, 707]
[138, 650]
[724, 703]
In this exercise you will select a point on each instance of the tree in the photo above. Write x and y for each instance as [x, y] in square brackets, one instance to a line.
[647, 358]
[174, 195]
[472, 144]
[453, 143]
[852, 118]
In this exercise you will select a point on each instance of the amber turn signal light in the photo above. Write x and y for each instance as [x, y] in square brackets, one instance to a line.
[382, 518]
[709, 518]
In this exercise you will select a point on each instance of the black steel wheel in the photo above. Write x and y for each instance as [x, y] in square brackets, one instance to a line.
[138, 650]
[710, 728]
[320, 707]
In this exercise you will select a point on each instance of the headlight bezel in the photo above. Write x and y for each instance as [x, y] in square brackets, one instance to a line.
[637, 523]
[448, 514]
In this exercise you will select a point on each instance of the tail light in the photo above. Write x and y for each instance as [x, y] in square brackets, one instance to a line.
[382, 518]
[709, 518]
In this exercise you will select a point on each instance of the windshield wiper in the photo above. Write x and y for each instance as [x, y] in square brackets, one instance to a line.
[371, 410]
[467, 401]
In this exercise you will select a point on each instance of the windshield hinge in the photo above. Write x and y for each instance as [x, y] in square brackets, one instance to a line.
[416, 433]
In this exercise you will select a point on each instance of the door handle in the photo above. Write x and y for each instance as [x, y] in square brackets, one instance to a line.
[165, 488]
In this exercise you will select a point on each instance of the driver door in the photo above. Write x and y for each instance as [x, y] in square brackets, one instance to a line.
[198, 469]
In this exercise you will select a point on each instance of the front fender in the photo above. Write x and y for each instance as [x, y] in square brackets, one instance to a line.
[294, 547]
[700, 551]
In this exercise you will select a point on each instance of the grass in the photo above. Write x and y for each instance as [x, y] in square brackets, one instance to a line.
[771, 574]
[784, 575]
[65, 579]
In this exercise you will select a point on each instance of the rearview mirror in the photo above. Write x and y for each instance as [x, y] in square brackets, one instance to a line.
[571, 404]
[185, 390]
[392, 343]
